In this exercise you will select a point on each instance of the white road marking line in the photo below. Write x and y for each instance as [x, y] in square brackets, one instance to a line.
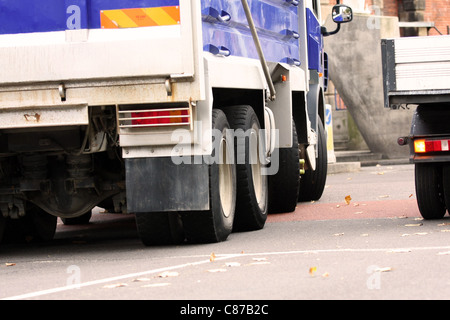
[218, 258]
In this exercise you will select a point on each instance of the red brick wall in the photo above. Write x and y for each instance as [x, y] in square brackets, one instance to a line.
[390, 8]
[438, 11]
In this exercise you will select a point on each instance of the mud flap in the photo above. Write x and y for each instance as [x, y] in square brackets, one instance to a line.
[158, 184]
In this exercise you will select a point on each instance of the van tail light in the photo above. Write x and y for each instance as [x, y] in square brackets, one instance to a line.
[431, 145]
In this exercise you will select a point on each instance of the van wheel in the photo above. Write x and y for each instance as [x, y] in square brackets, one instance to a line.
[252, 184]
[216, 224]
[429, 190]
[446, 185]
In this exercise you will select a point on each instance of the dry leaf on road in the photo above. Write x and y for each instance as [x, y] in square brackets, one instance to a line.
[348, 199]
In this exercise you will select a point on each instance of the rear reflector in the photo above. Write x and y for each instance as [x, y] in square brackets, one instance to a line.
[160, 117]
[147, 118]
[426, 145]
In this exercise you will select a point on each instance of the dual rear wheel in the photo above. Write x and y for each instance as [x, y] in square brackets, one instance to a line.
[238, 189]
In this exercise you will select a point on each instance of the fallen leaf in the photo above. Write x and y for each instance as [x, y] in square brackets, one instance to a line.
[312, 270]
[443, 253]
[212, 257]
[445, 230]
[338, 234]
[414, 225]
[167, 274]
[385, 269]
[411, 195]
[384, 196]
[9, 264]
[348, 199]
[421, 233]
[115, 285]
[325, 275]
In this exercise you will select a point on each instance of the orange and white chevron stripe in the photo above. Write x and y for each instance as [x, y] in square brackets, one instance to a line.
[141, 17]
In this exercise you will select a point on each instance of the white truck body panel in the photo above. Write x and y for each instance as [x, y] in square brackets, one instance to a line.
[423, 63]
[416, 70]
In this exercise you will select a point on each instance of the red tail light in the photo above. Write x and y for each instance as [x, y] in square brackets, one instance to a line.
[160, 117]
[429, 145]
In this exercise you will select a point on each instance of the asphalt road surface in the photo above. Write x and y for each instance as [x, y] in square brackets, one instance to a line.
[363, 240]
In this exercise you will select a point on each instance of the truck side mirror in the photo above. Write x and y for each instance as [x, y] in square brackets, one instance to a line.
[342, 13]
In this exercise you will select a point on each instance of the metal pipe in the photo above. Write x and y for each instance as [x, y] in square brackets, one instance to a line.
[262, 59]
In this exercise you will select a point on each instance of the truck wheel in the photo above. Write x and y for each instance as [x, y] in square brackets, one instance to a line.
[252, 185]
[44, 224]
[37, 226]
[429, 190]
[312, 183]
[216, 224]
[83, 219]
[284, 185]
[159, 228]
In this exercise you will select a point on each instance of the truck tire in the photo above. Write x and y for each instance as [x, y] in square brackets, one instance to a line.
[36, 226]
[252, 185]
[429, 190]
[216, 224]
[44, 224]
[159, 228]
[312, 183]
[284, 185]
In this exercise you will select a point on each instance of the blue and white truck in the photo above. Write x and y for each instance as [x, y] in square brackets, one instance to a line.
[196, 116]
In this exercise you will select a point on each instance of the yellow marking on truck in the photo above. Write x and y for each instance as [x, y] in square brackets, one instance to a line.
[140, 17]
